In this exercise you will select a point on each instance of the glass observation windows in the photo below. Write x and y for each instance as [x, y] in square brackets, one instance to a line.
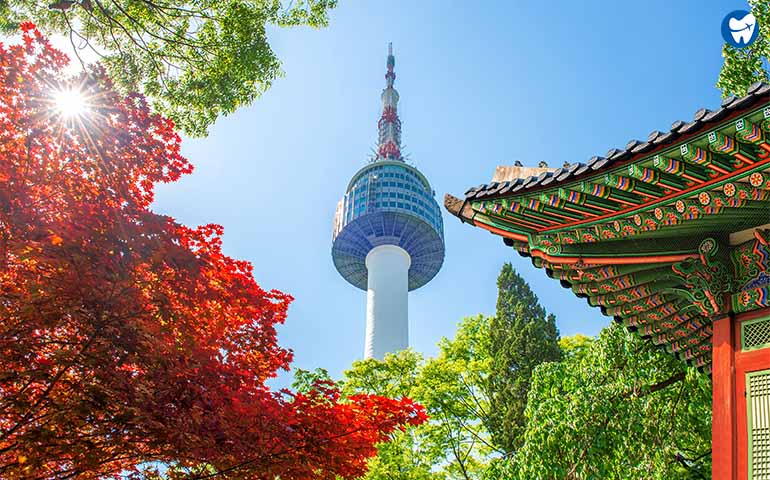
[391, 187]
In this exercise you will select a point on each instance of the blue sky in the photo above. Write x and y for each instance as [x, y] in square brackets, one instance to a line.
[482, 84]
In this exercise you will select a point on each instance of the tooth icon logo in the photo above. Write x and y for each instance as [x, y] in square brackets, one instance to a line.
[740, 29]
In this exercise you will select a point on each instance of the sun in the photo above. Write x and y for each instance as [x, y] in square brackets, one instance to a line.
[69, 103]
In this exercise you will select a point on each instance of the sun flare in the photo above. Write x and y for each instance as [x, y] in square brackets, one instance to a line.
[70, 103]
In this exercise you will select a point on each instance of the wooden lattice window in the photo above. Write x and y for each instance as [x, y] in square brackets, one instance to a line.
[755, 334]
[758, 412]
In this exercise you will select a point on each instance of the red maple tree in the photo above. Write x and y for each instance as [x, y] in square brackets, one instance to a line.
[128, 340]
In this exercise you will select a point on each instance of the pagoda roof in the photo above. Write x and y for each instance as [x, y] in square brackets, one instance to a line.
[638, 231]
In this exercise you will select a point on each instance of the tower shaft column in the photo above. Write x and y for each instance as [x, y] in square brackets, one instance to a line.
[387, 318]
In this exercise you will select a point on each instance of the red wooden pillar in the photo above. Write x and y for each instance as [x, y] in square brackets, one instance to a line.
[745, 362]
[723, 430]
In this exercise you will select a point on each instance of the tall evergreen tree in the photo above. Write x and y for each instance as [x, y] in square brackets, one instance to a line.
[522, 336]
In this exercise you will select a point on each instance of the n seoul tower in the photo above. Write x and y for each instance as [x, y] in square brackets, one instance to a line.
[388, 234]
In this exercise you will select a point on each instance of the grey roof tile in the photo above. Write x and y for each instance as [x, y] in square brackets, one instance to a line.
[666, 137]
[491, 188]
[473, 190]
[519, 186]
[702, 112]
[715, 115]
[599, 162]
[510, 185]
[743, 101]
[619, 155]
[583, 168]
[632, 144]
[531, 182]
[484, 191]
[498, 188]
[690, 127]
[676, 126]
[654, 135]
[553, 177]
[568, 173]
[728, 101]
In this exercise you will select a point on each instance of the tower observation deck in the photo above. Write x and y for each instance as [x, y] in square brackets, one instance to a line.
[388, 236]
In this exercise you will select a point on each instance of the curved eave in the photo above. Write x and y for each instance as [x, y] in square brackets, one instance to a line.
[644, 210]
[633, 295]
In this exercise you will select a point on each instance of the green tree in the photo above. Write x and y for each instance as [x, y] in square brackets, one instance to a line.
[195, 60]
[575, 345]
[744, 66]
[615, 408]
[522, 337]
[454, 443]
[407, 458]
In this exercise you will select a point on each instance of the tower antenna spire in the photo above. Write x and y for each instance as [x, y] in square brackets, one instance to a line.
[389, 125]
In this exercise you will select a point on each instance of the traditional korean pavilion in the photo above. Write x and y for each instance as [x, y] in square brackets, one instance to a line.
[669, 237]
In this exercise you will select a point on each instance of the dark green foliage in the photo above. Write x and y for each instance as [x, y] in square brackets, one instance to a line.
[615, 408]
[195, 60]
[522, 337]
[744, 66]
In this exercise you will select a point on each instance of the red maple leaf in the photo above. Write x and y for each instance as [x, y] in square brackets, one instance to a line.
[125, 337]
